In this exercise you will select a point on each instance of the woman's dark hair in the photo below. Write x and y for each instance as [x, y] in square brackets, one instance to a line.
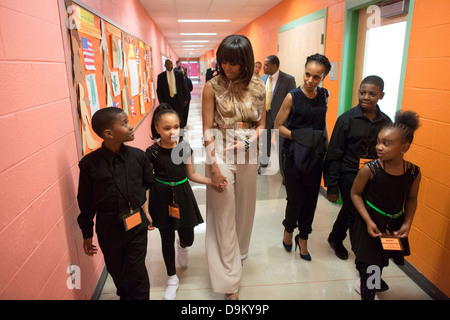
[161, 110]
[320, 59]
[104, 119]
[236, 49]
[406, 122]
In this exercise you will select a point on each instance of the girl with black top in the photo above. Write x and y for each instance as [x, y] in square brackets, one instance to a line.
[303, 108]
[172, 205]
[385, 194]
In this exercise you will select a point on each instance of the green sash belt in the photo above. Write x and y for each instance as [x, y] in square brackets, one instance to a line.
[384, 213]
[172, 183]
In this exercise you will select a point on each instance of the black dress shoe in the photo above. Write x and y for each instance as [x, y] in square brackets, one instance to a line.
[338, 248]
[384, 286]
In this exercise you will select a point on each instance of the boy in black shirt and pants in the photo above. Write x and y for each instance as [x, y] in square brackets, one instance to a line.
[352, 143]
[112, 185]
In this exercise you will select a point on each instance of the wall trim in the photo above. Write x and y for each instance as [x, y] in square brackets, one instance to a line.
[425, 284]
[100, 284]
[322, 13]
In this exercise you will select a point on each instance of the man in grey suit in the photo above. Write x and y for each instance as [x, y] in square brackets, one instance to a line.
[278, 85]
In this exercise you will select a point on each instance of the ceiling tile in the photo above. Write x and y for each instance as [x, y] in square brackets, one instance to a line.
[166, 13]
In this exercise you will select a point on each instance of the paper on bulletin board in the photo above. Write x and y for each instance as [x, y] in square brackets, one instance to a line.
[88, 53]
[115, 83]
[84, 21]
[92, 93]
[115, 51]
[134, 77]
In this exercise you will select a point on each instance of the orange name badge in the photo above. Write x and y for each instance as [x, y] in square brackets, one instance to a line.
[363, 161]
[174, 211]
[390, 242]
[132, 219]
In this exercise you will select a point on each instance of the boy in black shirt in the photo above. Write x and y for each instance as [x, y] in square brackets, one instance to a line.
[352, 143]
[112, 185]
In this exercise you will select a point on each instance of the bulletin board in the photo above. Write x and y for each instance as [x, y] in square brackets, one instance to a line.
[111, 68]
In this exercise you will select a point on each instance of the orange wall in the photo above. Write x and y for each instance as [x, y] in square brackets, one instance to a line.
[263, 34]
[39, 235]
[427, 91]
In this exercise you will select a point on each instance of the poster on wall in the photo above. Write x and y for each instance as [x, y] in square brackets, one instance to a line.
[111, 68]
[92, 93]
[134, 76]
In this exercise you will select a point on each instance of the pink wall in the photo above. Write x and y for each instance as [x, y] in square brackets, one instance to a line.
[39, 236]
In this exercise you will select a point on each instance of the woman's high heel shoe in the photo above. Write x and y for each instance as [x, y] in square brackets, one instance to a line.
[307, 256]
[287, 247]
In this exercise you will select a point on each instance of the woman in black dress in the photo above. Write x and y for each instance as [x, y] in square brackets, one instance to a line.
[301, 120]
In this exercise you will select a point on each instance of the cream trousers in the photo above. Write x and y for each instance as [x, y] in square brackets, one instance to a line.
[229, 223]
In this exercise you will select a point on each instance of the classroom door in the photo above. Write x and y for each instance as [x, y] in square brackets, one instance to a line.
[380, 51]
[193, 70]
[298, 40]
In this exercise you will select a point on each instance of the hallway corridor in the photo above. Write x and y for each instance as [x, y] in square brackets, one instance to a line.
[269, 272]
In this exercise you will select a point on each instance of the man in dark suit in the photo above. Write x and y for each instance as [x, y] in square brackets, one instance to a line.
[211, 72]
[278, 85]
[171, 89]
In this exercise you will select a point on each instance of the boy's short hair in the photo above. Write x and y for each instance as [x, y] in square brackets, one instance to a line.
[376, 80]
[104, 118]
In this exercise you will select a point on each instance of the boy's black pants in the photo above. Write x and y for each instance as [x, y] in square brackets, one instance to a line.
[124, 253]
[346, 216]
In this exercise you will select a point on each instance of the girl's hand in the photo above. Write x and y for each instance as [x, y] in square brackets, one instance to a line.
[403, 231]
[372, 229]
[150, 226]
[223, 185]
[218, 182]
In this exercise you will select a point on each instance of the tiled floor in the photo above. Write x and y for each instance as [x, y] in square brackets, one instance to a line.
[269, 273]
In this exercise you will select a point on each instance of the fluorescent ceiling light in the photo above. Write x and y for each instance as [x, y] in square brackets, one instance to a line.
[194, 46]
[193, 41]
[198, 34]
[203, 20]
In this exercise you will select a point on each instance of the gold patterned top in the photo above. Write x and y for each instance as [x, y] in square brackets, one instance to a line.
[230, 110]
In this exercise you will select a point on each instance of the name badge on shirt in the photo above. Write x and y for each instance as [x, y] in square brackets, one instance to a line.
[363, 160]
[391, 242]
[132, 219]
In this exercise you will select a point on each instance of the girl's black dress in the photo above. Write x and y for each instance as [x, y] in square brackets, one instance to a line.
[161, 195]
[387, 193]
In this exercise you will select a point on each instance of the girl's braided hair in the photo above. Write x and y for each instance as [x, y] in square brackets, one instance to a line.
[406, 122]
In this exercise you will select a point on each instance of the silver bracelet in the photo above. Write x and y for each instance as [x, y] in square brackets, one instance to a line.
[247, 145]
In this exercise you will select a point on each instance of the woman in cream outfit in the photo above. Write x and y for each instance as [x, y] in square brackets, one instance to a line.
[233, 114]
